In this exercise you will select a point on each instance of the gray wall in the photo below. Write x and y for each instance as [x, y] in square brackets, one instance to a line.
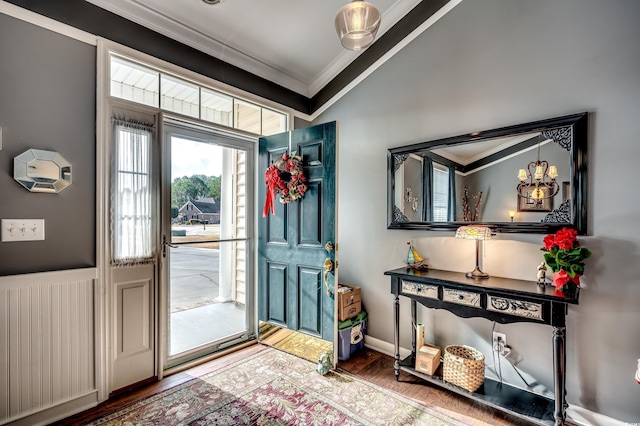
[489, 64]
[47, 87]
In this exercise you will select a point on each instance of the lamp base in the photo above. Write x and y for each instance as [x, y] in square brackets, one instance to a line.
[477, 274]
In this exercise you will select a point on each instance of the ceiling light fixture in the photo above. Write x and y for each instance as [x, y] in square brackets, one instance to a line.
[538, 181]
[212, 1]
[357, 24]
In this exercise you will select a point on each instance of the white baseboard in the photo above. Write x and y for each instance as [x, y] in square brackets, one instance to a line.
[582, 417]
[577, 416]
[384, 347]
[57, 412]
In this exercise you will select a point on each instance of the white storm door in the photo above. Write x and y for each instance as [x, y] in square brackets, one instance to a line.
[207, 232]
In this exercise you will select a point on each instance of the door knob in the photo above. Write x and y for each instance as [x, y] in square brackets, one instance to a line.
[329, 246]
[328, 267]
[165, 244]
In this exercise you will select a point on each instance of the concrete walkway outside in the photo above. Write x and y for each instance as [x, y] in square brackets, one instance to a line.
[195, 318]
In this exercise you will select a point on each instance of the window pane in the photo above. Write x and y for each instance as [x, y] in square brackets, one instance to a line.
[134, 82]
[247, 116]
[179, 96]
[131, 197]
[440, 193]
[216, 107]
[141, 84]
[273, 122]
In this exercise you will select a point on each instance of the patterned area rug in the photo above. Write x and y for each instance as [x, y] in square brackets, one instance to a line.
[275, 388]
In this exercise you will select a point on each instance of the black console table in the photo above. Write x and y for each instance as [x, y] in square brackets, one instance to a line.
[497, 299]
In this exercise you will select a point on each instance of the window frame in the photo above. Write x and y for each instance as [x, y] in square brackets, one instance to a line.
[191, 79]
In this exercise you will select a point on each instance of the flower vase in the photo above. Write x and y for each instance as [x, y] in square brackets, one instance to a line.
[562, 280]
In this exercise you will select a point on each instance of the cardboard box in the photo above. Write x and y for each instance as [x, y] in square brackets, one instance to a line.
[428, 359]
[349, 301]
[349, 311]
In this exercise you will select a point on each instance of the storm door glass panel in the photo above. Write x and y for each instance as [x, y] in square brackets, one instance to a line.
[216, 108]
[180, 96]
[134, 82]
[206, 283]
[440, 193]
[247, 117]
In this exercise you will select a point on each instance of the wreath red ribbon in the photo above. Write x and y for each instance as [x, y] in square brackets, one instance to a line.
[285, 177]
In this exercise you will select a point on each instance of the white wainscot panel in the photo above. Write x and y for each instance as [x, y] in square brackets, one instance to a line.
[46, 340]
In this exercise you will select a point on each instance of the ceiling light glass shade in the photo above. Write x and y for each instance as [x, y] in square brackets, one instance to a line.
[357, 24]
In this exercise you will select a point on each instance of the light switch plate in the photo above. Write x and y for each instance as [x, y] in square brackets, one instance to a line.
[22, 230]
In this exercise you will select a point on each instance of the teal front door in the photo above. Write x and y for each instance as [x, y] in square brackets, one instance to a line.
[295, 290]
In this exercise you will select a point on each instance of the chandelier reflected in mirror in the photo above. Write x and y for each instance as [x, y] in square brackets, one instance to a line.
[538, 180]
[357, 24]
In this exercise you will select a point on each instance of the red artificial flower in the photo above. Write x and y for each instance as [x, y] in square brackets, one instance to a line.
[565, 238]
[549, 241]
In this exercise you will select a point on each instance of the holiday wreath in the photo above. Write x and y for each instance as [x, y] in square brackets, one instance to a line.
[285, 177]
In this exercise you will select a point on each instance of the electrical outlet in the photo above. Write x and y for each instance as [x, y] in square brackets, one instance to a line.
[499, 342]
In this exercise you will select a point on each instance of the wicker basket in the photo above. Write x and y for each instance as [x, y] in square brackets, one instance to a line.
[464, 367]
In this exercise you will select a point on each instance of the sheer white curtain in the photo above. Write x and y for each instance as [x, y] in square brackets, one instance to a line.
[132, 194]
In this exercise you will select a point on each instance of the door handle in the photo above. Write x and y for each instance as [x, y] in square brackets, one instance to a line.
[165, 244]
[328, 267]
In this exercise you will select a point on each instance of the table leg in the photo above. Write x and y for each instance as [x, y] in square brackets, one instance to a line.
[414, 323]
[559, 371]
[396, 337]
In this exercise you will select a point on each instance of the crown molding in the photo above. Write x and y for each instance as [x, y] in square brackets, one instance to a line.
[167, 26]
[47, 23]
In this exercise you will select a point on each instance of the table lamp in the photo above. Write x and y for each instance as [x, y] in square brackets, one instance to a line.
[478, 233]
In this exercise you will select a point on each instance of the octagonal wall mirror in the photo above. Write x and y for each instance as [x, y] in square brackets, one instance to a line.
[42, 171]
[473, 179]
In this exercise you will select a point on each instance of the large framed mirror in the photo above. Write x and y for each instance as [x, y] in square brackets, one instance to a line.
[527, 178]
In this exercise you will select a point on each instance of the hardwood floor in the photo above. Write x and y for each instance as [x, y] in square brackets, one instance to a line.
[367, 364]
[377, 368]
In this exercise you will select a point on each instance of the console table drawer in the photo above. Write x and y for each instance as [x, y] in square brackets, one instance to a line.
[422, 290]
[520, 308]
[461, 297]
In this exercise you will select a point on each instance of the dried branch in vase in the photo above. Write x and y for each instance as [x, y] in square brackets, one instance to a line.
[467, 215]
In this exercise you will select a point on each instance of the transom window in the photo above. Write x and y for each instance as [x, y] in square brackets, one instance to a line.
[145, 85]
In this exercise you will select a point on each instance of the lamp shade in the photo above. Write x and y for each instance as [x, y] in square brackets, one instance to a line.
[474, 233]
[538, 173]
[357, 24]
[522, 175]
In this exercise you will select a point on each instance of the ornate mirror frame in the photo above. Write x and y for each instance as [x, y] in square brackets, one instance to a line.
[42, 171]
[570, 132]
